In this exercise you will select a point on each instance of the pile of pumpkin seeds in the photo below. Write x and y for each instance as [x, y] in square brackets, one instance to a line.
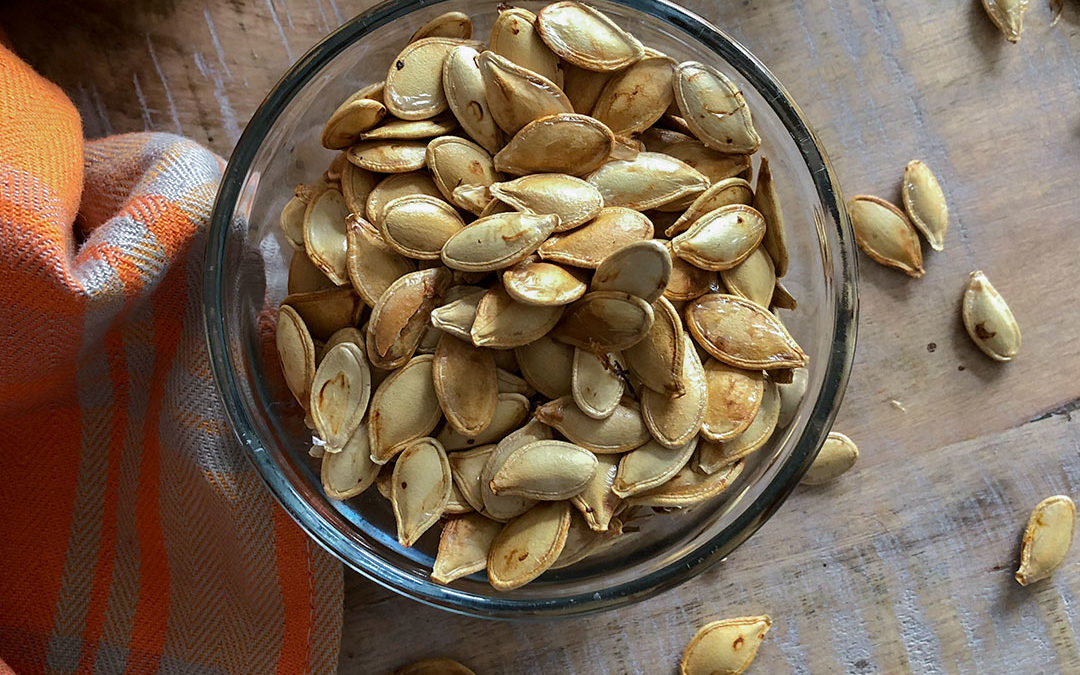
[537, 292]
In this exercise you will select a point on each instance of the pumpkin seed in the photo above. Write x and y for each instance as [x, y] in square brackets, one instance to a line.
[514, 36]
[510, 411]
[791, 396]
[332, 176]
[420, 488]
[516, 95]
[502, 322]
[715, 166]
[547, 365]
[394, 186]
[347, 473]
[296, 351]
[722, 238]
[634, 98]
[371, 264]
[988, 320]
[626, 147]
[534, 282]
[607, 321]
[463, 85]
[688, 488]
[292, 219]
[388, 156]
[495, 206]
[688, 282]
[473, 198]
[466, 384]
[437, 666]
[573, 200]
[587, 38]
[463, 550]
[726, 192]
[623, 430]
[754, 278]
[583, 86]
[649, 466]
[1047, 539]
[455, 161]
[735, 396]
[384, 479]
[410, 130]
[352, 118]
[782, 298]
[836, 456]
[457, 504]
[497, 242]
[356, 186]
[398, 319]
[742, 334]
[1008, 16]
[597, 503]
[505, 507]
[647, 181]
[657, 360]
[885, 234]
[767, 203]
[456, 317]
[374, 91]
[339, 394]
[640, 268]
[714, 109]
[466, 467]
[324, 234]
[417, 226]
[510, 383]
[414, 88]
[448, 25]
[582, 541]
[674, 420]
[925, 203]
[713, 456]
[724, 647]
[304, 277]
[560, 143]
[528, 545]
[324, 312]
[546, 470]
[587, 246]
[403, 409]
[659, 139]
[596, 383]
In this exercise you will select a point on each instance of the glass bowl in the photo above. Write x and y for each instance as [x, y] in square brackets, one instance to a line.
[245, 279]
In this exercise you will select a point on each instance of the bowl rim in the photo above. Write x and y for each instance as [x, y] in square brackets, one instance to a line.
[707, 554]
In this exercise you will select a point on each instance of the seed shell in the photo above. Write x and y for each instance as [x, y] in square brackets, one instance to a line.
[448, 25]
[1008, 16]
[885, 234]
[304, 277]
[420, 489]
[296, 352]
[466, 467]
[414, 88]
[561, 143]
[400, 316]
[725, 647]
[767, 203]
[456, 317]
[326, 311]
[837, 455]
[988, 319]
[463, 549]
[721, 193]
[510, 411]
[350, 120]
[388, 156]
[503, 323]
[528, 545]
[688, 488]
[455, 161]
[1047, 539]
[497, 242]
[634, 98]
[371, 264]
[754, 278]
[397, 185]
[505, 507]
[742, 333]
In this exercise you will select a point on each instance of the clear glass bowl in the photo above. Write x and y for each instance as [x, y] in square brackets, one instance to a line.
[245, 279]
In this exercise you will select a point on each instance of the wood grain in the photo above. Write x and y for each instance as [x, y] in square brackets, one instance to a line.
[906, 563]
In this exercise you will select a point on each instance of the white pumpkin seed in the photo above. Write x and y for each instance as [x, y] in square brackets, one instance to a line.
[573, 200]
[713, 456]
[414, 89]
[503, 323]
[505, 507]
[418, 226]
[388, 156]
[528, 545]
[714, 108]
[634, 98]
[561, 143]
[371, 264]
[885, 234]
[456, 317]
[350, 120]
[640, 268]
[596, 383]
[403, 409]
[534, 282]
[510, 411]
[339, 394]
[514, 36]
[649, 180]
[754, 278]
[410, 130]
[742, 333]
[420, 488]
[516, 95]
[836, 456]
[925, 203]
[324, 234]
[463, 85]
[622, 430]
[448, 25]
[547, 365]
[296, 351]
[455, 161]
[545, 470]
[673, 420]
[607, 321]
[587, 246]
[394, 186]
[399, 317]
[724, 647]
[587, 38]
[1008, 16]
[688, 488]
[988, 319]
[463, 550]
[735, 396]
[722, 238]
[721, 193]
[466, 467]
[1047, 539]
[497, 242]
[597, 503]
[649, 466]
[657, 360]
[347, 473]
[466, 383]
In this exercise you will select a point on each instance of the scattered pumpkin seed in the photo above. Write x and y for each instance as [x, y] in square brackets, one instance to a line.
[1008, 16]
[1047, 539]
[885, 234]
[837, 455]
[989, 321]
[725, 647]
[924, 202]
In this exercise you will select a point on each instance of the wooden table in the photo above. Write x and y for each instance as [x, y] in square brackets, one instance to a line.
[904, 564]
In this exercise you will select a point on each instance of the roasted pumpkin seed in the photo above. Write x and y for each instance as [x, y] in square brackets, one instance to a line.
[528, 545]
[722, 238]
[674, 419]
[782, 298]
[545, 470]
[394, 186]
[403, 409]
[463, 550]
[640, 268]
[561, 143]
[356, 186]
[925, 203]
[503, 323]
[724, 647]
[587, 38]
[988, 319]
[292, 219]
[791, 396]
[573, 200]
[340, 392]
[742, 333]
[505, 507]
[455, 161]
[1047, 539]
[596, 383]
[388, 156]
[687, 281]
[326, 311]
[516, 95]
[657, 360]
[836, 456]
[347, 473]
[649, 466]
[622, 430]
[754, 278]
[597, 503]
[582, 541]
[324, 234]
[634, 98]
[735, 396]
[399, 317]
[410, 130]
[510, 383]
[417, 226]
[304, 277]
[371, 264]
[448, 25]
[466, 384]
[463, 85]
[497, 242]
[472, 198]
[587, 246]
[716, 166]
[726, 192]
[296, 352]
[583, 86]
[466, 467]
[456, 316]
[688, 488]
[713, 456]
[414, 88]
[885, 234]
[767, 203]
[714, 108]
[649, 180]
[535, 282]
[1008, 16]
[547, 365]
[514, 36]
[510, 411]
[420, 488]
[605, 321]
[350, 120]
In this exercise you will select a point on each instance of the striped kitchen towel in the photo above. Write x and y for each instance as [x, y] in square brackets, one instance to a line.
[134, 534]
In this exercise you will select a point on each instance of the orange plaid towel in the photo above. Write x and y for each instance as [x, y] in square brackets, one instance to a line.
[134, 535]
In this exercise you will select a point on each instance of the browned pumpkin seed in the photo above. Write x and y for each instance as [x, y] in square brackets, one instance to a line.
[388, 156]
[292, 217]
[713, 456]
[573, 200]
[687, 281]
[466, 384]
[326, 311]
[649, 180]
[715, 166]
[410, 130]
[350, 120]
[463, 549]
[767, 203]
[497, 242]
[597, 503]
[455, 161]
[401, 314]
[722, 193]
[394, 186]
[403, 409]
[640, 268]
[420, 489]
[606, 321]
[621, 431]
[714, 108]
[735, 396]
[1047, 538]
[674, 419]
[546, 470]
[634, 98]
[516, 95]
[727, 646]
[837, 455]
[510, 383]
[514, 36]
[466, 467]
[457, 315]
[503, 323]
[988, 319]
[722, 238]
[510, 411]
[657, 360]
[347, 473]
[340, 392]
[586, 37]
[649, 466]
[528, 545]
[885, 234]
[417, 226]
[356, 186]
[583, 87]
[742, 333]
[587, 246]
[1008, 16]
[448, 25]
[688, 488]
[505, 507]
[371, 264]
[463, 85]
[414, 89]
[560, 143]
[296, 351]
[596, 383]
[547, 365]
[324, 234]
[535, 282]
